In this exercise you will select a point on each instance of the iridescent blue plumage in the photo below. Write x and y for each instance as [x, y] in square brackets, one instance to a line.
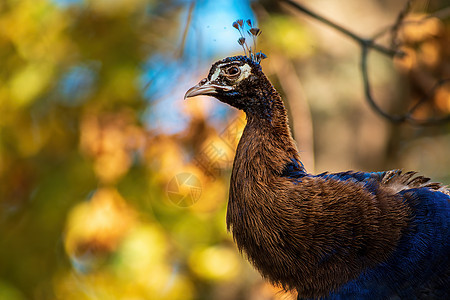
[420, 267]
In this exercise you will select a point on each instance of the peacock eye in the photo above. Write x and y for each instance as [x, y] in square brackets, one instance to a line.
[232, 71]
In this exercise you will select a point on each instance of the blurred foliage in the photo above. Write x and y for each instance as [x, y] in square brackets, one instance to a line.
[84, 210]
[94, 204]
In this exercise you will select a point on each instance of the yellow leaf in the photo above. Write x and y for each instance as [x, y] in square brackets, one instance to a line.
[28, 83]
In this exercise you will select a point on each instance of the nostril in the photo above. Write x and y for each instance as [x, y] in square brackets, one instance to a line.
[203, 81]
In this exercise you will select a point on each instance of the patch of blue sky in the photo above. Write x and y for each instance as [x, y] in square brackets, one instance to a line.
[76, 84]
[166, 77]
[159, 74]
[67, 3]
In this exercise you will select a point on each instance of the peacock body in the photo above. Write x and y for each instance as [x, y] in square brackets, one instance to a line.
[350, 235]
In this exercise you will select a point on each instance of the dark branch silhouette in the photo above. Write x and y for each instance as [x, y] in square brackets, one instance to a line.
[368, 44]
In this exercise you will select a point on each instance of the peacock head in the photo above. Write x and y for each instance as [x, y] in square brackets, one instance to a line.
[234, 80]
[238, 80]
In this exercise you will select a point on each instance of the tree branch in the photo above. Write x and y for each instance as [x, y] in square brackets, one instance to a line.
[362, 41]
[368, 44]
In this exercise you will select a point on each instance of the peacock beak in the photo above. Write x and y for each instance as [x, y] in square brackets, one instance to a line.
[205, 87]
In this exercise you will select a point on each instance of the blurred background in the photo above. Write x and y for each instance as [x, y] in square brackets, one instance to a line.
[114, 187]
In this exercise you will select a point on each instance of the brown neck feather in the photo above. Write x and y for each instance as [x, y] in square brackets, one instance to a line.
[267, 138]
[265, 148]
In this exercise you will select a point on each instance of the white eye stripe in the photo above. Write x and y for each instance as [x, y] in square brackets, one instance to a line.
[245, 72]
[217, 71]
[216, 74]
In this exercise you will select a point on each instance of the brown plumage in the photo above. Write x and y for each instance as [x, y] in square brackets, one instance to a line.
[326, 235]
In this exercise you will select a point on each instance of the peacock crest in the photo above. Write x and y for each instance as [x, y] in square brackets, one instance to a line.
[253, 33]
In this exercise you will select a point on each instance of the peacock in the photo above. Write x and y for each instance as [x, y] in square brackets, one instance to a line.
[348, 235]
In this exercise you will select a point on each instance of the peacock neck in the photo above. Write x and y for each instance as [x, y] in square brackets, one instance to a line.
[269, 134]
[264, 153]
[266, 147]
